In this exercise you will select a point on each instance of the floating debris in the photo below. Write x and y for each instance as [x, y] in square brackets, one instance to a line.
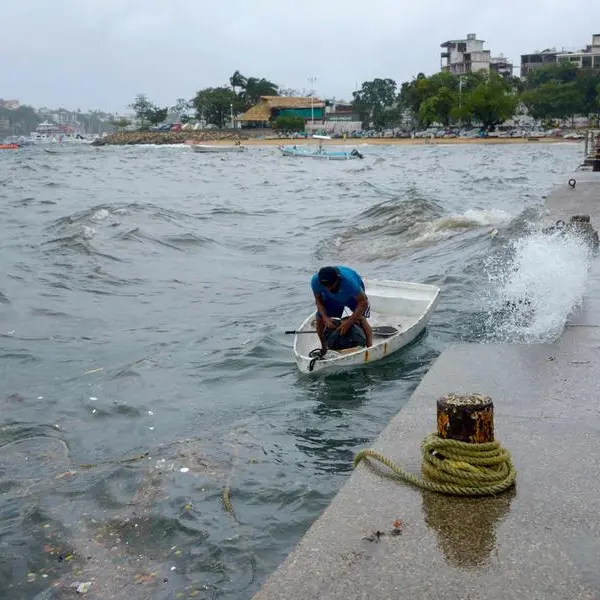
[83, 588]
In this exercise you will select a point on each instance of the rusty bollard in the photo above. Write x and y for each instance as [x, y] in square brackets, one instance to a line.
[466, 418]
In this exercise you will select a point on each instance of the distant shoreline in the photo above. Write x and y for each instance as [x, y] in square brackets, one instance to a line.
[213, 137]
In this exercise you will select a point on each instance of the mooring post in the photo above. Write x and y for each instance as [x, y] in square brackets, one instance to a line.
[588, 133]
[466, 418]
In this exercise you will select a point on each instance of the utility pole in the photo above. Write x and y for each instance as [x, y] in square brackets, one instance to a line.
[232, 123]
[460, 84]
[312, 80]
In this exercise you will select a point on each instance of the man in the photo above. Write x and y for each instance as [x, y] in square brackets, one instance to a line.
[334, 289]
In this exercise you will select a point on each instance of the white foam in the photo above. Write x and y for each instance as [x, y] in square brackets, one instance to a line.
[537, 287]
[100, 215]
[445, 227]
[88, 232]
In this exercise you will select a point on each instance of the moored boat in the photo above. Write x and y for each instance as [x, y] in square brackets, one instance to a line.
[400, 311]
[319, 152]
[204, 148]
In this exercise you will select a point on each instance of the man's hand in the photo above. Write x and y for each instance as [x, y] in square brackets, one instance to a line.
[329, 324]
[344, 328]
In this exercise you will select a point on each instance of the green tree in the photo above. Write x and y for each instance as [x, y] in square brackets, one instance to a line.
[373, 101]
[237, 80]
[586, 83]
[289, 123]
[438, 108]
[254, 89]
[444, 86]
[554, 100]
[490, 102]
[214, 105]
[251, 89]
[157, 115]
[23, 120]
[555, 73]
[143, 109]
[120, 124]
[181, 109]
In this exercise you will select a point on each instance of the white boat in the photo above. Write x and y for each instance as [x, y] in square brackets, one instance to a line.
[400, 311]
[208, 148]
[319, 152]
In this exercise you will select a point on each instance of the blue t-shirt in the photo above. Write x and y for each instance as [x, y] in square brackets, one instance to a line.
[350, 286]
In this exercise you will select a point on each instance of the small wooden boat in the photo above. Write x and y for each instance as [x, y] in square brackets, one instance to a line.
[216, 148]
[400, 311]
[319, 152]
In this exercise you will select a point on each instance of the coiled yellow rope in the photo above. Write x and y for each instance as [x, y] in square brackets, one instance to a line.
[454, 467]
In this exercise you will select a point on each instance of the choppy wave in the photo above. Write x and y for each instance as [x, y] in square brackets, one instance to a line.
[394, 228]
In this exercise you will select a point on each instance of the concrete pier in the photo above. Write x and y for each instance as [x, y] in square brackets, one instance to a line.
[540, 540]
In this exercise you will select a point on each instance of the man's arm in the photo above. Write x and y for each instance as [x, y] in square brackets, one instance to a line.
[322, 311]
[361, 306]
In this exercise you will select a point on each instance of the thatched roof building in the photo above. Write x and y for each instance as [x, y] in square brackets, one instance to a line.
[271, 107]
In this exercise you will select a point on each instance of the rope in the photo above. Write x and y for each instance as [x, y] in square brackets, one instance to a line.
[453, 467]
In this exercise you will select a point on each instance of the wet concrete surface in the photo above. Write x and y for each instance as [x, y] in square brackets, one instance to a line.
[540, 540]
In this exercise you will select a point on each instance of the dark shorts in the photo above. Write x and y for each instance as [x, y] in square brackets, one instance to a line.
[335, 310]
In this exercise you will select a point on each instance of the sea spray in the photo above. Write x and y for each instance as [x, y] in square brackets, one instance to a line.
[535, 285]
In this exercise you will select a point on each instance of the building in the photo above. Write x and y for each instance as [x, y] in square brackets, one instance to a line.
[339, 111]
[529, 62]
[9, 104]
[588, 58]
[465, 56]
[271, 107]
[501, 65]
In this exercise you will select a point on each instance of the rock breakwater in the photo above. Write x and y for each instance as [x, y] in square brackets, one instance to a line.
[126, 138]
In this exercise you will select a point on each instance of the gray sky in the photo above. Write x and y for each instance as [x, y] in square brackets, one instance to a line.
[101, 53]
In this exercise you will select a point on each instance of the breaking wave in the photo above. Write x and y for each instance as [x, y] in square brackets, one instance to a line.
[536, 282]
[393, 228]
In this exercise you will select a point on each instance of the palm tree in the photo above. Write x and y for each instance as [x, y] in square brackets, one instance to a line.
[255, 88]
[237, 80]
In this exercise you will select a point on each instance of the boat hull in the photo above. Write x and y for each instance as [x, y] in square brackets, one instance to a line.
[404, 305]
[319, 155]
[214, 149]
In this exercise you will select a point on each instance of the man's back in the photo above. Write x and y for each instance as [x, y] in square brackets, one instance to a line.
[351, 284]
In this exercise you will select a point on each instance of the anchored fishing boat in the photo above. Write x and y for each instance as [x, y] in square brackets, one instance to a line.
[400, 311]
[205, 148]
[319, 152]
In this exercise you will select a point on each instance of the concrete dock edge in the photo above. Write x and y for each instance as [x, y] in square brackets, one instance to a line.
[540, 540]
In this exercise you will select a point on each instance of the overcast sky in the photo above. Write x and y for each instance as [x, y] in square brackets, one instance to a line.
[101, 53]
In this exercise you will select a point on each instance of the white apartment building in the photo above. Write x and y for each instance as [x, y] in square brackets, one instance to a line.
[588, 58]
[465, 56]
